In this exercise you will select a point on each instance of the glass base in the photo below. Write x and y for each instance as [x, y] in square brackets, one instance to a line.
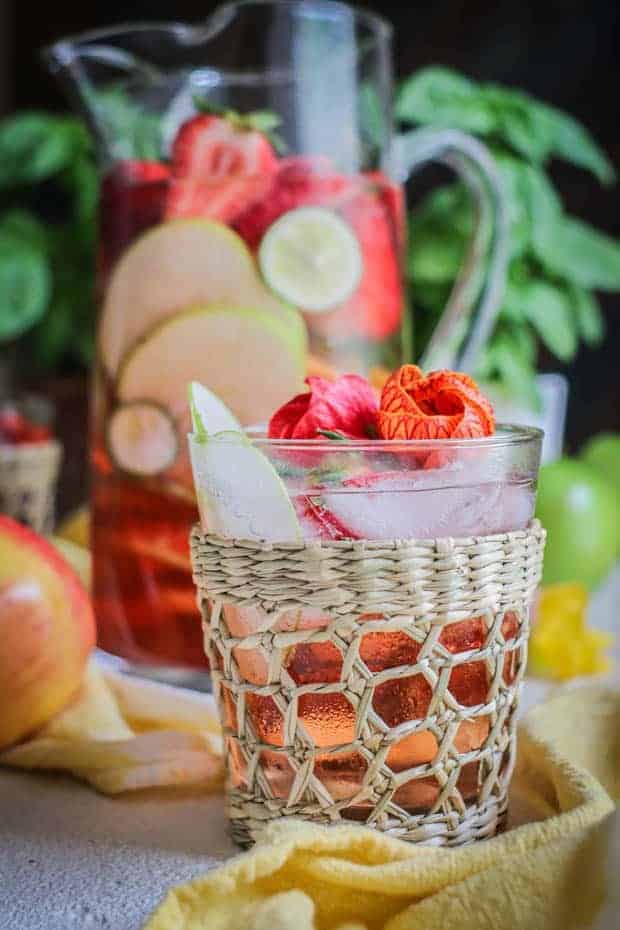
[194, 679]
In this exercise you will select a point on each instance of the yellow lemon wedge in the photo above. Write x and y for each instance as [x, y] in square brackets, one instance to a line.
[562, 646]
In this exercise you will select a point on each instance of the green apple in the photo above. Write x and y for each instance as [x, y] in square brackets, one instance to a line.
[580, 512]
[603, 453]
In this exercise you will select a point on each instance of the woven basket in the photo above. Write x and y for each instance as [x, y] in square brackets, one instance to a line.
[408, 678]
[28, 476]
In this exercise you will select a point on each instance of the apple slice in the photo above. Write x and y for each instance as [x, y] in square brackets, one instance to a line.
[173, 266]
[209, 414]
[248, 358]
[142, 438]
[239, 492]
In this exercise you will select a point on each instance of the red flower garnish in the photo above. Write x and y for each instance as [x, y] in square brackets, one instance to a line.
[347, 406]
[440, 405]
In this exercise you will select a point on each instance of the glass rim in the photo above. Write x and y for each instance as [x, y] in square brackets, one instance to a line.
[67, 48]
[507, 434]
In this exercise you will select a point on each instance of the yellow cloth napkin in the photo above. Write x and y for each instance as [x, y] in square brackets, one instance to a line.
[544, 875]
[123, 733]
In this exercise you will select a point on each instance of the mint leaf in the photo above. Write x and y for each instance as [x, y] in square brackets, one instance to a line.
[332, 434]
[441, 97]
[549, 311]
[25, 285]
[590, 320]
[582, 255]
[571, 141]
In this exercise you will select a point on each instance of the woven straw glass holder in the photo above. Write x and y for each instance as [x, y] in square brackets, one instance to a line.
[419, 587]
[28, 477]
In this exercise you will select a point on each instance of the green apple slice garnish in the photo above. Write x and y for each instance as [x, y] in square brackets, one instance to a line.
[248, 358]
[209, 414]
[142, 438]
[240, 494]
[311, 258]
[180, 264]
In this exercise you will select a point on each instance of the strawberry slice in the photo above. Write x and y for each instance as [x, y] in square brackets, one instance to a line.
[17, 430]
[317, 522]
[298, 182]
[392, 196]
[221, 200]
[208, 147]
[220, 164]
[133, 198]
[374, 310]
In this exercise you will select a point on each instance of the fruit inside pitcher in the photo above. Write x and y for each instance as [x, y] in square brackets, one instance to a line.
[232, 264]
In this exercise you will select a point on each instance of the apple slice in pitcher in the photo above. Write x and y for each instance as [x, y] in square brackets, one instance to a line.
[239, 492]
[180, 264]
[245, 356]
[142, 438]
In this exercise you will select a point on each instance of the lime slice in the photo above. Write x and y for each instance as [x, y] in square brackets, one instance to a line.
[239, 492]
[311, 258]
[179, 264]
[209, 414]
[248, 358]
[142, 438]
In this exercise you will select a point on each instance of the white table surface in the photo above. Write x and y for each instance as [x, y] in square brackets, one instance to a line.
[71, 859]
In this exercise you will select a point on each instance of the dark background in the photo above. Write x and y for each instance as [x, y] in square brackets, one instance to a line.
[566, 52]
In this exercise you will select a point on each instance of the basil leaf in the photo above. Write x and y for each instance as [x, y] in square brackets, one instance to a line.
[435, 256]
[131, 131]
[574, 143]
[582, 255]
[543, 207]
[504, 361]
[517, 122]
[549, 311]
[24, 225]
[25, 285]
[48, 342]
[441, 97]
[438, 235]
[35, 146]
[590, 320]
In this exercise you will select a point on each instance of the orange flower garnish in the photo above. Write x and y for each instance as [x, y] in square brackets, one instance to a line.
[440, 405]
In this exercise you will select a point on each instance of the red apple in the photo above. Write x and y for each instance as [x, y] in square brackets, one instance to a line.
[47, 631]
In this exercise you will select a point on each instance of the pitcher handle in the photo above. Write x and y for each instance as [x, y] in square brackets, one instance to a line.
[464, 328]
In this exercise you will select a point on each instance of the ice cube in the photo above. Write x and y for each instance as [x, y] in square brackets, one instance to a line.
[427, 504]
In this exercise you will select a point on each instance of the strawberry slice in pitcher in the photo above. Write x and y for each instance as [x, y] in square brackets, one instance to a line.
[133, 199]
[299, 182]
[374, 310]
[221, 162]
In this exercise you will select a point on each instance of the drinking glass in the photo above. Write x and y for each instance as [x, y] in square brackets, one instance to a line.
[369, 670]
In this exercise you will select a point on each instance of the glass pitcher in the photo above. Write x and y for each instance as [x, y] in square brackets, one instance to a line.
[252, 233]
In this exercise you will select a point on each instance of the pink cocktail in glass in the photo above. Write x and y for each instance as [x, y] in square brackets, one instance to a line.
[378, 490]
